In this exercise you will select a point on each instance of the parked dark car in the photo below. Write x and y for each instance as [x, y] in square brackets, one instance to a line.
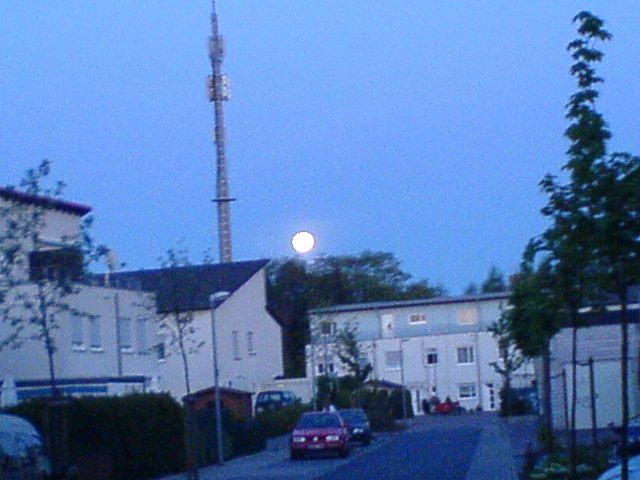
[274, 399]
[358, 424]
[319, 432]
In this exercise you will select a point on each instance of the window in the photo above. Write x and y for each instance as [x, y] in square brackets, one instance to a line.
[250, 347]
[431, 356]
[141, 335]
[467, 316]
[465, 355]
[467, 390]
[320, 368]
[95, 338]
[330, 368]
[161, 352]
[235, 345]
[417, 318]
[125, 334]
[77, 335]
[327, 327]
[393, 359]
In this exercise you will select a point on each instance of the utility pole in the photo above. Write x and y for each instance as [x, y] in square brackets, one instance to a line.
[218, 92]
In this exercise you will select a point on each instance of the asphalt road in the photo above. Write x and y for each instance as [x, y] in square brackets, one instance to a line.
[418, 454]
[464, 447]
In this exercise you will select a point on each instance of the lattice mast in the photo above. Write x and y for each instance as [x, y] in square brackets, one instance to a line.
[218, 92]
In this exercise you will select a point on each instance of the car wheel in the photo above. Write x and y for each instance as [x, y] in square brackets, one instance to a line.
[295, 455]
[344, 452]
[366, 441]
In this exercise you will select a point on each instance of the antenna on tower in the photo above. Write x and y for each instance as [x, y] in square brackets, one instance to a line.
[218, 92]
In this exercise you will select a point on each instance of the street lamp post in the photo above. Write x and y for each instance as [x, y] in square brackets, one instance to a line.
[214, 301]
[404, 403]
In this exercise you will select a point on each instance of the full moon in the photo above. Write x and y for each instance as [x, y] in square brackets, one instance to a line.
[303, 242]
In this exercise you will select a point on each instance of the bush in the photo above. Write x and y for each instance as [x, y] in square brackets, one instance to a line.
[276, 422]
[395, 402]
[135, 436]
[517, 404]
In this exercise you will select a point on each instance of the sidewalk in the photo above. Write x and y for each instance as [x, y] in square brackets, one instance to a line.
[494, 458]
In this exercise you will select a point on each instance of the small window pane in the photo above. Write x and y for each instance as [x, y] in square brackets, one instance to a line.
[141, 335]
[94, 332]
[125, 333]
[465, 355]
[467, 390]
[393, 359]
[235, 343]
[77, 336]
[431, 356]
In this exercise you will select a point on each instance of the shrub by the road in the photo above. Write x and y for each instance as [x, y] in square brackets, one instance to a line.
[129, 437]
[276, 422]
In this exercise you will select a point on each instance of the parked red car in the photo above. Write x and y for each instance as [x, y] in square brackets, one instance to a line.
[319, 432]
[447, 407]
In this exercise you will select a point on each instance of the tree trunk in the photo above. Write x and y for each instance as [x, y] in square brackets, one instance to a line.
[185, 363]
[625, 383]
[546, 394]
[574, 391]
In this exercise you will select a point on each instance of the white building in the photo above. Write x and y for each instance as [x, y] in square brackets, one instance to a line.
[438, 346]
[111, 344]
[249, 341]
[598, 338]
[86, 360]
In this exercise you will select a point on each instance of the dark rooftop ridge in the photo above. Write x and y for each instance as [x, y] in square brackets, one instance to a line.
[188, 288]
[411, 303]
[13, 195]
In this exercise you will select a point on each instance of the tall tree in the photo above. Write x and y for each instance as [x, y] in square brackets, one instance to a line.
[511, 358]
[37, 280]
[494, 283]
[536, 315]
[568, 240]
[617, 196]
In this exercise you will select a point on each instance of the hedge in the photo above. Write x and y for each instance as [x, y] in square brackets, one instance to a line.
[140, 435]
[130, 437]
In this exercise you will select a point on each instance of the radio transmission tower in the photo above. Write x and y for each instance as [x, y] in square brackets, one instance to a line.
[218, 92]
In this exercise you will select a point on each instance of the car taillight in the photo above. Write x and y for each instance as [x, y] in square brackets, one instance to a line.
[332, 438]
[298, 439]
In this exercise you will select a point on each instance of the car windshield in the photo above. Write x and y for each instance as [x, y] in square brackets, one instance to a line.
[353, 415]
[270, 397]
[322, 420]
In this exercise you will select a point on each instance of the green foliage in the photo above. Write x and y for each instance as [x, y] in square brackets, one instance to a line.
[377, 405]
[276, 422]
[350, 355]
[494, 283]
[395, 404]
[136, 436]
[511, 404]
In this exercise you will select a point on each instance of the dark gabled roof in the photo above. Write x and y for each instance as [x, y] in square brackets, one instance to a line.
[355, 307]
[14, 195]
[188, 288]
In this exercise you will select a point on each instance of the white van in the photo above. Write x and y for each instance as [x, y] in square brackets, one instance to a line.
[22, 455]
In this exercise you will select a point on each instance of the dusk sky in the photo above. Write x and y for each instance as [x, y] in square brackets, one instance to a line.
[420, 128]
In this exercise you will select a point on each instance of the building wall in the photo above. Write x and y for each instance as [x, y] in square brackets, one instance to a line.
[602, 343]
[400, 343]
[75, 359]
[245, 313]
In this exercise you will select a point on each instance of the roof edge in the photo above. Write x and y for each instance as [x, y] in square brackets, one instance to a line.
[13, 195]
